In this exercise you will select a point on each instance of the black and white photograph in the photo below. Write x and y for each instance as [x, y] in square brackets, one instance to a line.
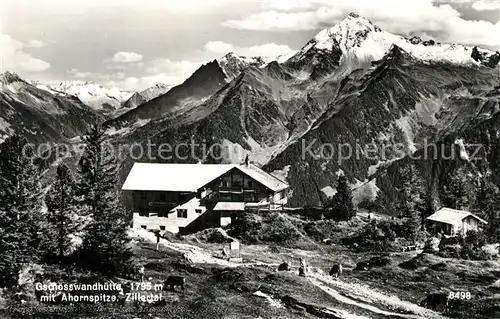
[250, 159]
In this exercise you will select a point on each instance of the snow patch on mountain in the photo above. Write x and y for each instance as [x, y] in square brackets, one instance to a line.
[155, 91]
[463, 151]
[329, 191]
[94, 95]
[8, 78]
[404, 124]
[127, 130]
[281, 174]
[232, 153]
[142, 97]
[258, 154]
[5, 127]
[233, 64]
[261, 154]
[365, 191]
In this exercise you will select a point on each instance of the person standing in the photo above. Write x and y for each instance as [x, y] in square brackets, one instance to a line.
[157, 240]
[303, 268]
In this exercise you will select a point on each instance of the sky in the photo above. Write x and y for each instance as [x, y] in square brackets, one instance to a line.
[134, 44]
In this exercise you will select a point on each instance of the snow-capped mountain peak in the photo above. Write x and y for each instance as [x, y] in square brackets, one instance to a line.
[9, 77]
[155, 91]
[350, 32]
[233, 64]
[355, 42]
[93, 94]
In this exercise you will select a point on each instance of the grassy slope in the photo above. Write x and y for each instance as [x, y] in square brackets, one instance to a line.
[214, 291]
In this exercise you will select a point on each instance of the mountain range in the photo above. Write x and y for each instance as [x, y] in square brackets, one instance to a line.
[40, 115]
[352, 84]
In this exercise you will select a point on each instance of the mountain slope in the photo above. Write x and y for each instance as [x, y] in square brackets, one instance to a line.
[352, 85]
[142, 97]
[197, 88]
[399, 105]
[202, 84]
[40, 115]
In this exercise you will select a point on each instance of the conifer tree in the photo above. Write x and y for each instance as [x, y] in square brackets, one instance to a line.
[22, 219]
[413, 191]
[105, 245]
[62, 211]
[453, 192]
[342, 200]
[487, 205]
[413, 202]
[413, 224]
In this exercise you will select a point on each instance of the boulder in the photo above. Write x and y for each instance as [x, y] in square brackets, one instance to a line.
[362, 265]
[432, 245]
[284, 267]
[435, 301]
[379, 261]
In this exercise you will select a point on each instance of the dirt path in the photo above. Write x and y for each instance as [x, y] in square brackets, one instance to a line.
[361, 296]
[369, 296]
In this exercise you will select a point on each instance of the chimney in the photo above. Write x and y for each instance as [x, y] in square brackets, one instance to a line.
[247, 161]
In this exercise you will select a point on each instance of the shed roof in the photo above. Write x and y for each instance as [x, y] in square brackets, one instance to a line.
[452, 216]
[190, 177]
[229, 206]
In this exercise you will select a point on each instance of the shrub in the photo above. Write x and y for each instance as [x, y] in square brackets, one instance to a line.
[274, 227]
[472, 246]
[246, 227]
[278, 229]
[450, 251]
[377, 236]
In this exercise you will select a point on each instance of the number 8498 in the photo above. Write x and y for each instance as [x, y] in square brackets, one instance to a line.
[461, 295]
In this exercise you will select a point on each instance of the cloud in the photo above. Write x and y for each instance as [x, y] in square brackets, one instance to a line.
[287, 4]
[158, 71]
[219, 47]
[80, 74]
[140, 83]
[484, 5]
[275, 21]
[14, 57]
[136, 79]
[268, 49]
[397, 16]
[95, 75]
[126, 57]
[35, 44]
[175, 68]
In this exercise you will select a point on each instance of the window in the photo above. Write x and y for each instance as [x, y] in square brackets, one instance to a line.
[250, 184]
[182, 213]
[144, 227]
[162, 227]
[163, 212]
[143, 195]
[198, 211]
[163, 197]
[144, 211]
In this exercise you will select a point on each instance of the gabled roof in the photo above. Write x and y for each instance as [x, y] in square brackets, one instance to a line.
[190, 177]
[452, 216]
[263, 177]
